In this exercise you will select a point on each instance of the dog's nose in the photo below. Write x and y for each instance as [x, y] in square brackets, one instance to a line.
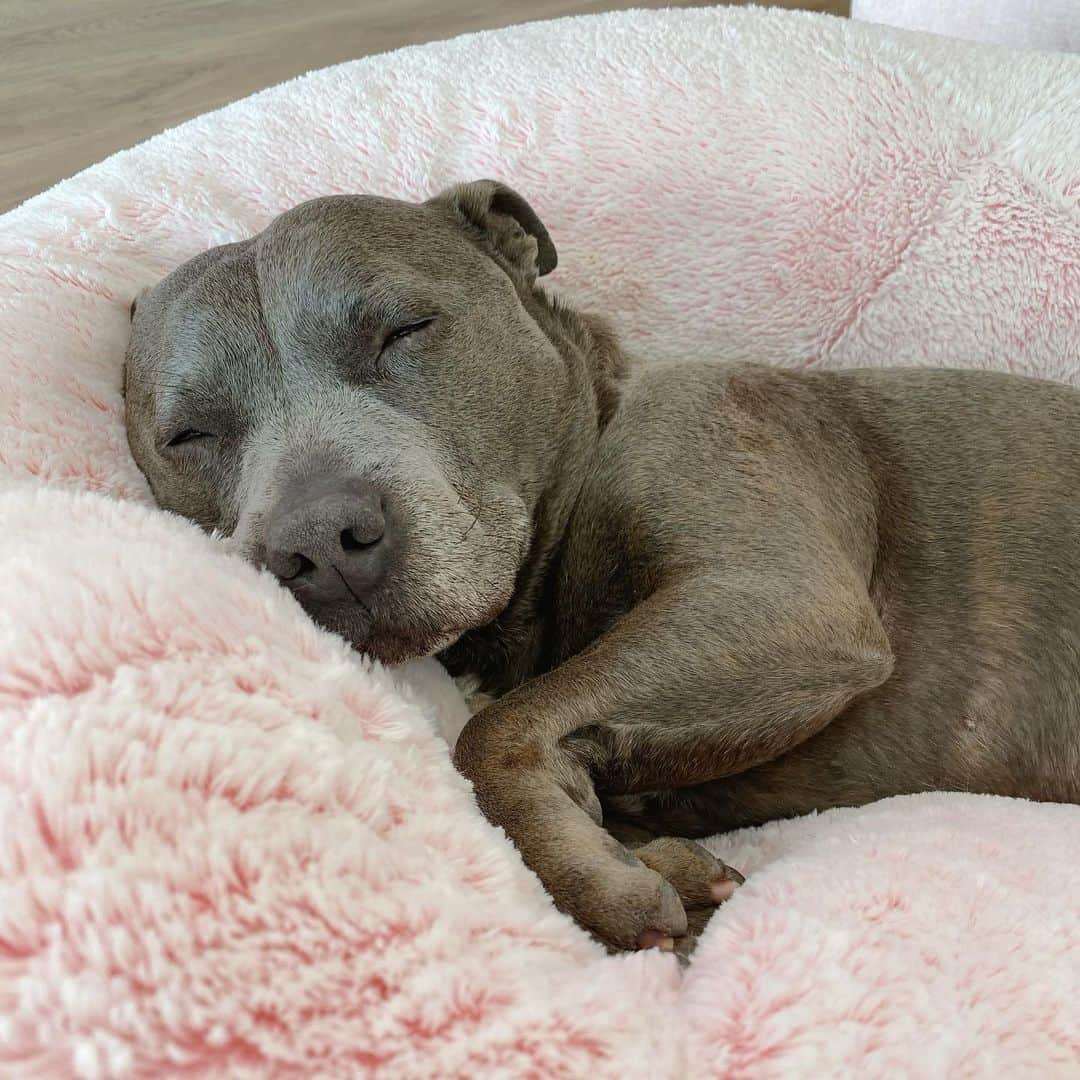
[329, 542]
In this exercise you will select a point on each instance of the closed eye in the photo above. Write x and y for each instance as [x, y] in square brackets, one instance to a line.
[188, 435]
[404, 331]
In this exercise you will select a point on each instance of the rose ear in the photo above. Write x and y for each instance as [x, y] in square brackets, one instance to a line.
[506, 221]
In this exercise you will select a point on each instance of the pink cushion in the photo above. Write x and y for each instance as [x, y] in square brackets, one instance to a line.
[228, 846]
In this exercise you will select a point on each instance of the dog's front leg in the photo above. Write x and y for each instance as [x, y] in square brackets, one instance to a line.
[704, 679]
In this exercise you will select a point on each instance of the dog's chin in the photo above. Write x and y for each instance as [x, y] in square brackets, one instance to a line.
[398, 648]
[396, 641]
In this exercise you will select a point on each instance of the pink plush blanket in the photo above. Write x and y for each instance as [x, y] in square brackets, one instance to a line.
[230, 847]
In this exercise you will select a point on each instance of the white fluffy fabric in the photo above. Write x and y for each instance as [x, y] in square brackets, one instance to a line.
[1020, 24]
[231, 847]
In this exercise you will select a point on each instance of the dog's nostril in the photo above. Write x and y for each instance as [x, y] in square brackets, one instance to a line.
[351, 542]
[298, 564]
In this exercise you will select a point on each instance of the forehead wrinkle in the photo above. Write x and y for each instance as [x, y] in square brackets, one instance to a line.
[315, 337]
[216, 350]
[291, 312]
[267, 334]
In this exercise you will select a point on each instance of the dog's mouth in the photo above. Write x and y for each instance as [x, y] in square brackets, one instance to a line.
[394, 638]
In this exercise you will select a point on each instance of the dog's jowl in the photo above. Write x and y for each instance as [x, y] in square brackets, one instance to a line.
[700, 595]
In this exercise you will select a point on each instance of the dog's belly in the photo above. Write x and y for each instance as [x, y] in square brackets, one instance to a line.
[1027, 748]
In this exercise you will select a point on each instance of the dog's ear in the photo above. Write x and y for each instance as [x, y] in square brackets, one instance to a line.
[506, 221]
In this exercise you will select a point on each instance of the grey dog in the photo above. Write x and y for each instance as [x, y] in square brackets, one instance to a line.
[701, 595]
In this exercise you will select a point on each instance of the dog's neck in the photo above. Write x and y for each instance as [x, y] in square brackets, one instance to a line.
[518, 644]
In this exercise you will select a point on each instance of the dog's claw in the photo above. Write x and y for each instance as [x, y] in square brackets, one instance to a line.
[722, 890]
[654, 939]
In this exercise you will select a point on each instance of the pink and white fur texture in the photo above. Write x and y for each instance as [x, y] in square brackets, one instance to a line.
[1020, 24]
[231, 847]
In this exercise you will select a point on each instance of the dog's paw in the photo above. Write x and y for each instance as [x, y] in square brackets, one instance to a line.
[628, 906]
[698, 876]
[701, 880]
[659, 896]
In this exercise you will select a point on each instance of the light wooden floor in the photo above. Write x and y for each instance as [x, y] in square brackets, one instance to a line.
[82, 78]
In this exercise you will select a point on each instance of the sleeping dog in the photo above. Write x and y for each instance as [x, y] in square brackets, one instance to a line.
[700, 595]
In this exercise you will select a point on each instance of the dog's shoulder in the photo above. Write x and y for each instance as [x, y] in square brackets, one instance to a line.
[680, 423]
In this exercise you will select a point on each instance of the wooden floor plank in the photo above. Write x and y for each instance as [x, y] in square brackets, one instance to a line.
[79, 81]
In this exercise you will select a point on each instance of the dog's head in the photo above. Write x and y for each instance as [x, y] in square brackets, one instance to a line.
[364, 399]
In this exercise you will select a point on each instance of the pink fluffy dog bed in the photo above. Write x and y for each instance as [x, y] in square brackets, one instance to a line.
[230, 847]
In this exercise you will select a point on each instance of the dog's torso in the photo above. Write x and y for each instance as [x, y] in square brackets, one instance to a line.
[951, 492]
